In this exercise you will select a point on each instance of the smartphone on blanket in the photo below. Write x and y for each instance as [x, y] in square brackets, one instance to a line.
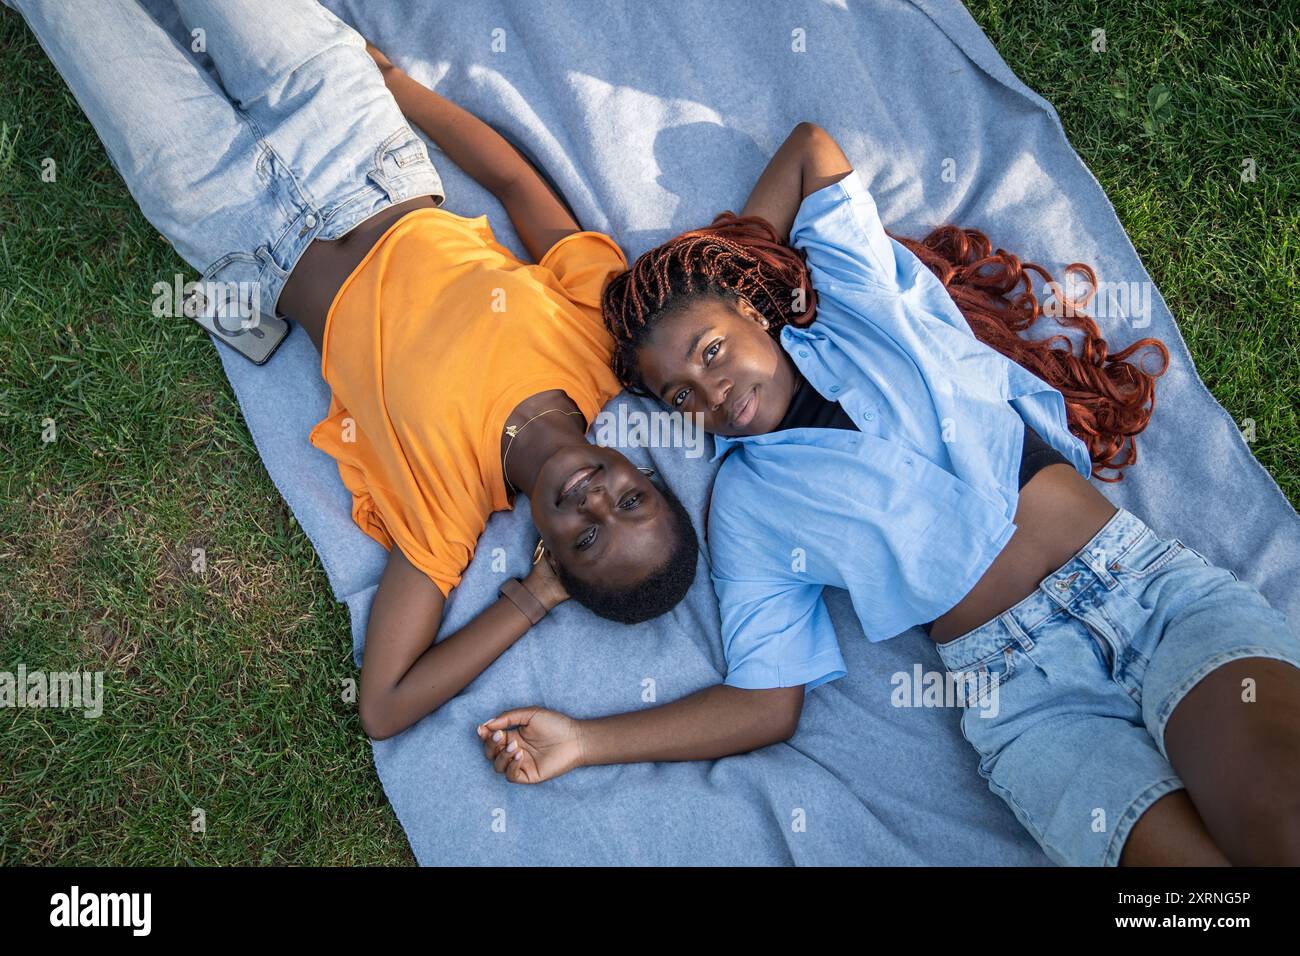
[255, 336]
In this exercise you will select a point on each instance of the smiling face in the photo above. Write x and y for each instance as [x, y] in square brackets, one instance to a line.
[714, 356]
[601, 518]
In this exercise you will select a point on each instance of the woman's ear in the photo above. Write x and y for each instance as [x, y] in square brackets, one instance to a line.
[751, 313]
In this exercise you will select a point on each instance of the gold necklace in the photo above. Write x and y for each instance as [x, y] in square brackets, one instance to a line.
[514, 430]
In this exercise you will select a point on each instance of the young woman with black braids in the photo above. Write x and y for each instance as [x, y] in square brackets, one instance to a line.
[886, 429]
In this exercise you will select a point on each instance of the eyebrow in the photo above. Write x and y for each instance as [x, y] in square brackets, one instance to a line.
[690, 350]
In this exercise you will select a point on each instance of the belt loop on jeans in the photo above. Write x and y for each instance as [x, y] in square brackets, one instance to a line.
[1098, 559]
[1018, 633]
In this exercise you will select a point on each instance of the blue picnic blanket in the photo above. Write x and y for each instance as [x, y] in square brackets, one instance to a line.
[652, 118]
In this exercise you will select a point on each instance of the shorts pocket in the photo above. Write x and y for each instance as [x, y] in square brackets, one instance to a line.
[1208, 563]
[401, 154]
[1145, 556]
[282, 186]
[976, 682]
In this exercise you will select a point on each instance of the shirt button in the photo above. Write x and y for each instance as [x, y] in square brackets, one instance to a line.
[310, 221]
[803, 353]
[835, 388]
[870, 416]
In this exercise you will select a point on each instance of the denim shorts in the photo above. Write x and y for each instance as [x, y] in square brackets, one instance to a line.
[244, 129]
[1068, 692]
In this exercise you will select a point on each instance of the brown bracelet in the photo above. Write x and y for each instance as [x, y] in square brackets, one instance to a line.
[522, 598]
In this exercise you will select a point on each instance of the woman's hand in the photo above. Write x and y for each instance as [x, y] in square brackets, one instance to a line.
[545, 584]
[532, 744]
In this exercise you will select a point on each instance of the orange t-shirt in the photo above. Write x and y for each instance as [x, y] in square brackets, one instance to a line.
[433, 340]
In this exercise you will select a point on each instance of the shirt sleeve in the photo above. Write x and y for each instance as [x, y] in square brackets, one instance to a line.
[584, 262]
[777, 634]
[840, 231]
[378, 510]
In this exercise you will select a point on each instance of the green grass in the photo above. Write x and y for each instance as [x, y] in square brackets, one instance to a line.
[223, 690]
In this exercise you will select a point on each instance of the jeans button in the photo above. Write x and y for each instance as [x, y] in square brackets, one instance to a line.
[310, 221]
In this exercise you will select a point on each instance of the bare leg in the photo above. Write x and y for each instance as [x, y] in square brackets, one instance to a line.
[1240, 759]
[1171, 833]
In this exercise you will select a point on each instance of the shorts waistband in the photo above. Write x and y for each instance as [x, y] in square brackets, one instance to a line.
[1091, 565]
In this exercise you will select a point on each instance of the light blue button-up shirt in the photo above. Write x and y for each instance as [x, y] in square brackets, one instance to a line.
[908, 512]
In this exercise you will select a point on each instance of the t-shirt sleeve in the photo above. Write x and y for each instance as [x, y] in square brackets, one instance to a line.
[840, 231]
[776, 634]
[583, 262]
[378, 509]
[776, 630]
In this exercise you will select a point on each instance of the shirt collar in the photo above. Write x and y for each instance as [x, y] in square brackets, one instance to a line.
[724, 443]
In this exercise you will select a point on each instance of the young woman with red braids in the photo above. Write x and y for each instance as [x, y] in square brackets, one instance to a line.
[887, 429]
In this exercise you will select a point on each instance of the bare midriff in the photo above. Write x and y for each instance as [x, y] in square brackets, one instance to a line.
[326, 264]
[1058, 513]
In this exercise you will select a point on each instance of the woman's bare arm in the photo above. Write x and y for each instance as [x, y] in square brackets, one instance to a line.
[404, 675]
[536, 213]
[714, 722]
[532, 744]
[807, 161]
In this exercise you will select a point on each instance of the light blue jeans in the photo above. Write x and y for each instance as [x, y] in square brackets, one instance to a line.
[270, 129]
[1088, 669]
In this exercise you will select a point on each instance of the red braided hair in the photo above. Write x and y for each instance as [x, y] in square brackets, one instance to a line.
[1108, 399]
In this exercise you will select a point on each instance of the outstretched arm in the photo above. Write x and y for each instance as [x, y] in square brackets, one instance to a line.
[536, 213]
[404, 674]
[532, 744]
[807, 161]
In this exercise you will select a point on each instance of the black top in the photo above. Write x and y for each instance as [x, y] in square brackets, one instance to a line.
[1038, 454]
[808, 409]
